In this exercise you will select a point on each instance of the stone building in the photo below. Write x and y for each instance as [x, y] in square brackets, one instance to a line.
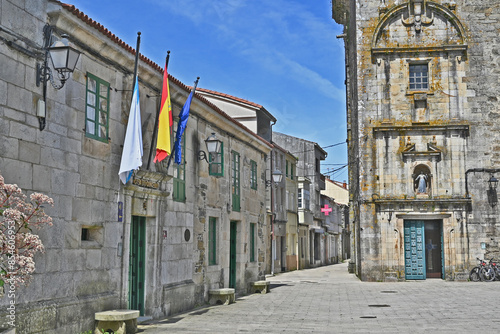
[311, 182]
[156, 244]
[281, 196]
[336, 197]
[284, 210]
[422, 114]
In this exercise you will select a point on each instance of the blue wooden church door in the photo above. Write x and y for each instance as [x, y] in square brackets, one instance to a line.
[414, 249]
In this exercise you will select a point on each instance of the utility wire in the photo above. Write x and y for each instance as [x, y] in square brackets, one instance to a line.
[343, 142]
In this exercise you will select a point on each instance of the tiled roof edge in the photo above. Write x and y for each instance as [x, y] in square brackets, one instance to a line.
[91, 22]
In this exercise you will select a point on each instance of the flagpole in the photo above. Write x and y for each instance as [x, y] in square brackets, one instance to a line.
[173, 149]
[132, 145]
[137, 55]
[155, 129]
[138, 45]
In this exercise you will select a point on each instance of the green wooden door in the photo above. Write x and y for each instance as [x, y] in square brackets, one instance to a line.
[414, 249]
[137, 263]
[232, 256]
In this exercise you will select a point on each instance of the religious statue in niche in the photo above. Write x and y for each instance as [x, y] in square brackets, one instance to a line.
[421, 181]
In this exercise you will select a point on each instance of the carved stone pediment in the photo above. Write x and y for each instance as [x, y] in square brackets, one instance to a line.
[418, 26]
[432, 153]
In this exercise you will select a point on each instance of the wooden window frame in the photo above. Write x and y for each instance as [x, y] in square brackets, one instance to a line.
[216, 160]
[212, 241]
[179, 180]
[252, 242]
[253, 175]
[235, 181]
[99, 108]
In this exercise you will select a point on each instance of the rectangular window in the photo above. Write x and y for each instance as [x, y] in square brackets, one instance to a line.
[291, 171]
[304, 198]
[286, 169]
[299, 199]
[252, 242]
[97, 108]
[253, 174]
[212, 241]
[216, 162]
[179, 191]
[236, 180]
[419, 77]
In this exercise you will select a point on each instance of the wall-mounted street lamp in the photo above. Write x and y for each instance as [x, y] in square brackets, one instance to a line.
[492, 184]
[277, 177]
[63, 58]
[492, 190]
[213, 147]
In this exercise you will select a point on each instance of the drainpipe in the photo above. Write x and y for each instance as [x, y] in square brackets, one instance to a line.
[477, 170]
[273, 241]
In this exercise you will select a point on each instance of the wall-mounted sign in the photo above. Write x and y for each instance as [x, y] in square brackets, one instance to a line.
[146, 183]
[326, 210]
[120, 211]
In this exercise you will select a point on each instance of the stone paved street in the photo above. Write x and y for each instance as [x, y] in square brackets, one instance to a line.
[329, 300]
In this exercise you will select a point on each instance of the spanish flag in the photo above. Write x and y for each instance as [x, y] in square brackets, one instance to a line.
[163, 144]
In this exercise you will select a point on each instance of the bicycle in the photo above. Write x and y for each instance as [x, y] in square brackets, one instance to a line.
[487, 272]
[496, 269]
[475, 273]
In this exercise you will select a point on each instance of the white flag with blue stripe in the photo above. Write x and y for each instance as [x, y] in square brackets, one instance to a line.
[132, 146]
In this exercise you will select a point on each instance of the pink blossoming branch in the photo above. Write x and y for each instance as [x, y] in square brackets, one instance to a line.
[19, 220]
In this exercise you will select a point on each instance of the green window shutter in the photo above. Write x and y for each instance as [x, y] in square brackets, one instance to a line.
[286, 168]
[212, 241]
[291, 171]
[253, 175]
[216, 163]
[97, 108]
[236, 181]
[179, 191]
[252, 242]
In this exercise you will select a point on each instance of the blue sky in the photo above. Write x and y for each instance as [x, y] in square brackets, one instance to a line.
[282, 54]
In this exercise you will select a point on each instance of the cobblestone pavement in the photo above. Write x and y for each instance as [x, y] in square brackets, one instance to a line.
[330, 300]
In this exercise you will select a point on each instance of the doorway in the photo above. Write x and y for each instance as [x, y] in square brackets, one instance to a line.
[433, 249]
[232, 255]
[424, 255]
[137, 258]
[283, 254]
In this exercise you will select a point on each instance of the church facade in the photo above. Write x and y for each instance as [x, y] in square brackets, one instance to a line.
[422, 112]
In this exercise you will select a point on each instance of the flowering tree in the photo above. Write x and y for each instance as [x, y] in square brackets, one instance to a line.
[18, 243]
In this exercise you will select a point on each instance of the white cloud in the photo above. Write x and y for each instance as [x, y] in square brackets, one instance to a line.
[277, 34]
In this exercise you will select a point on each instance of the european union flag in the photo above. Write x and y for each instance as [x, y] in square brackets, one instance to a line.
[183, 118]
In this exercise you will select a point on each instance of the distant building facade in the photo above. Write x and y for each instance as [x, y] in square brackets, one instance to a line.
[311, 182]
[336, 196]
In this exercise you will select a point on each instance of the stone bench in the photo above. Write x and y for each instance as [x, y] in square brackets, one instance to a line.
[260, 287]
[221, 296]
[117, 321]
